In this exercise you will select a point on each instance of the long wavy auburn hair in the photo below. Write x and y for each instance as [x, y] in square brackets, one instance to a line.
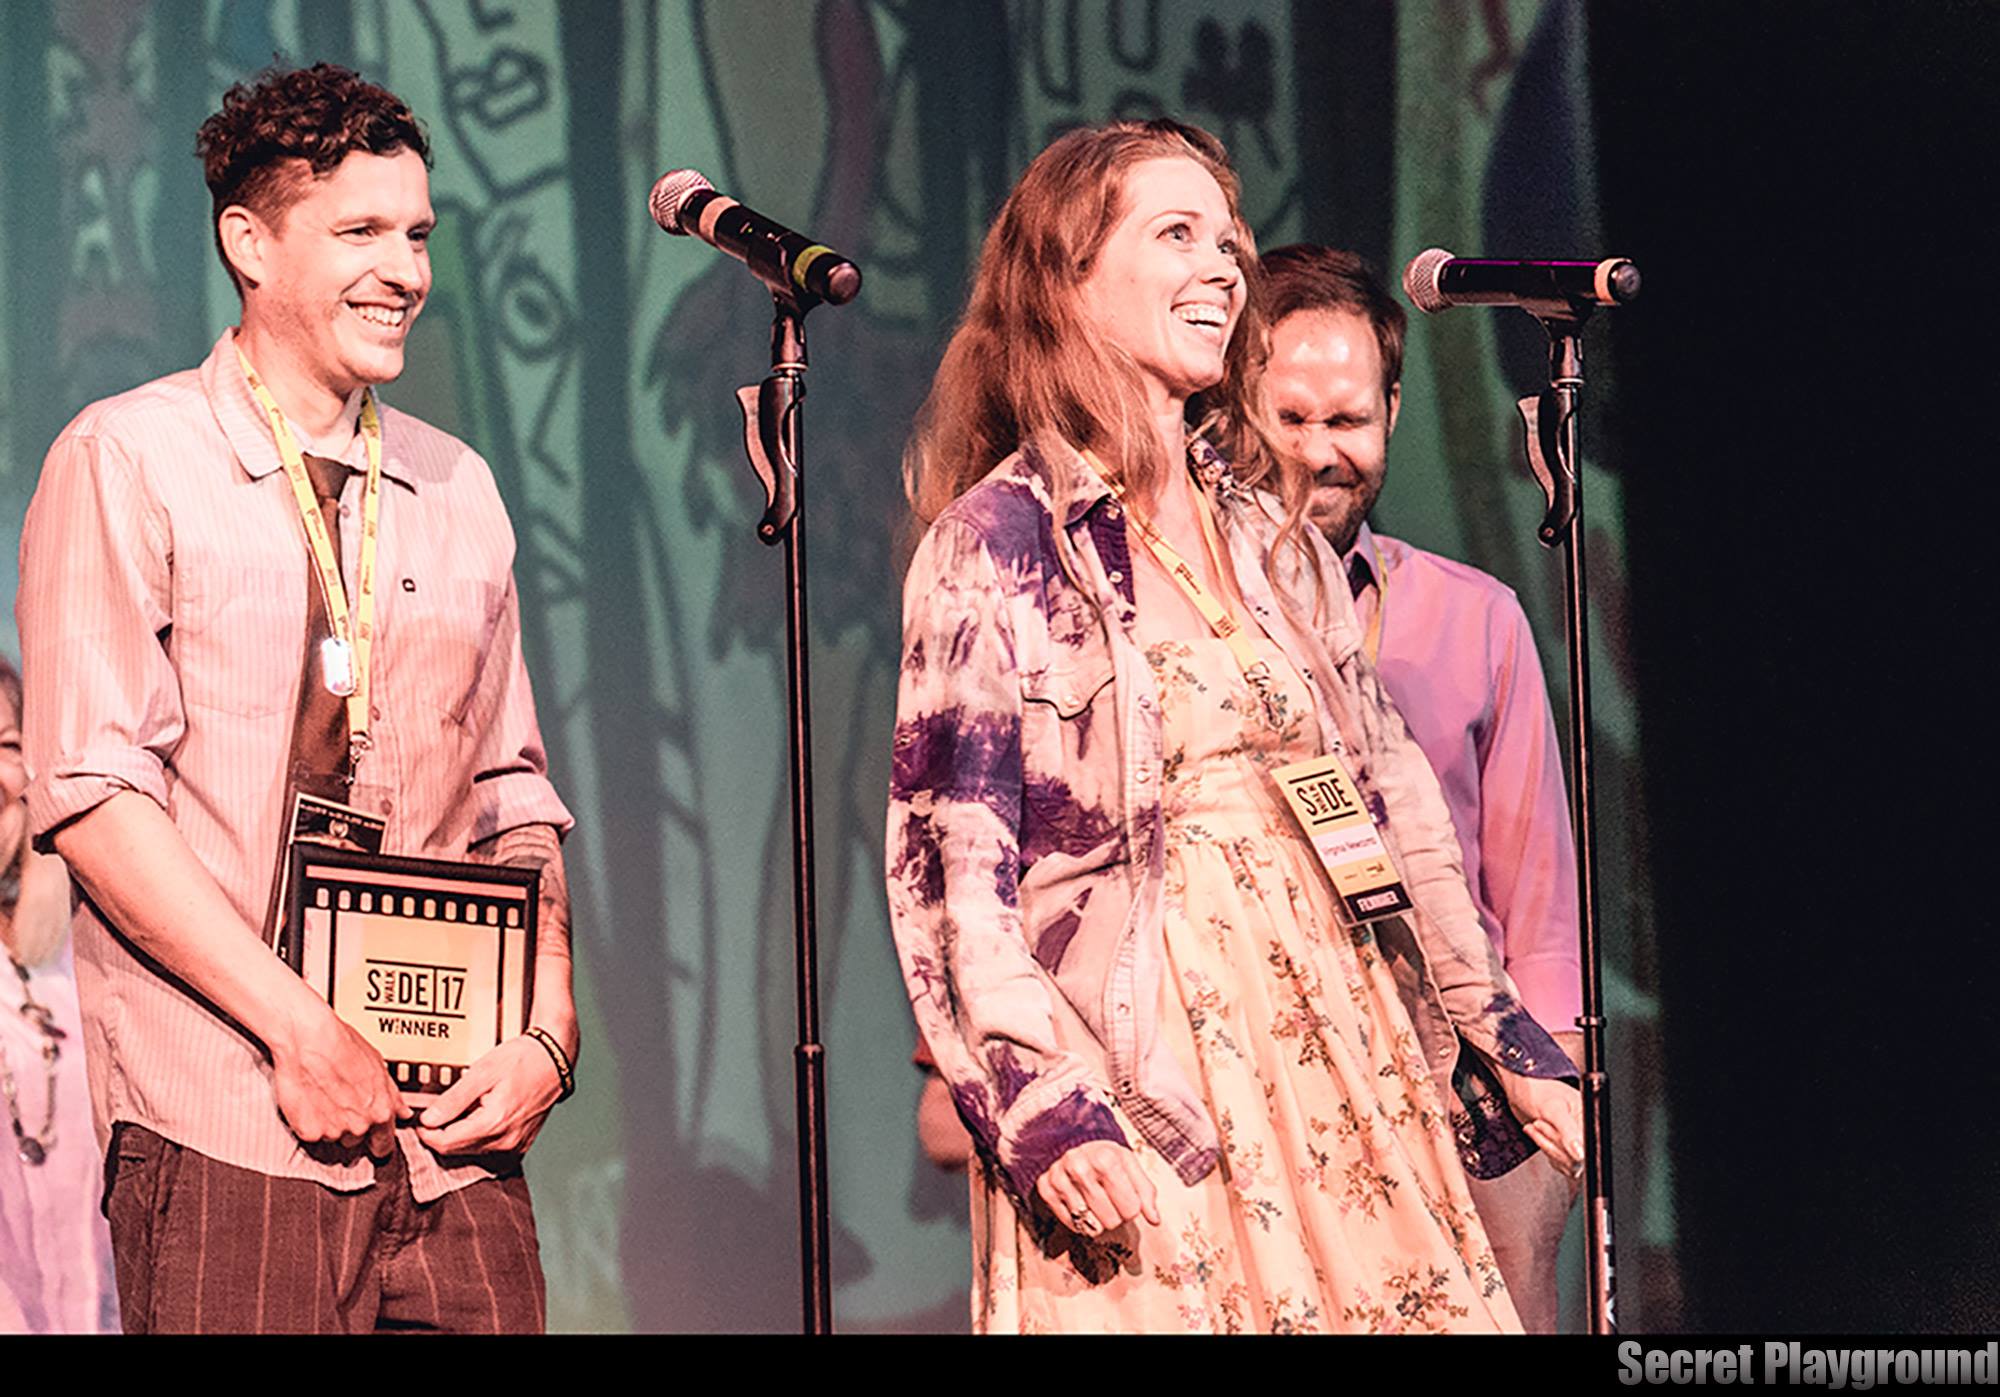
[1026, 366]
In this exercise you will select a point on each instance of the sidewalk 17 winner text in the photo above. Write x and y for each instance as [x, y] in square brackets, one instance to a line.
[411, 999]
[1794, 1364]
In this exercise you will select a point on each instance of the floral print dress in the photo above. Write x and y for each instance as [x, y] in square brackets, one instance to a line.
[1340, 1205]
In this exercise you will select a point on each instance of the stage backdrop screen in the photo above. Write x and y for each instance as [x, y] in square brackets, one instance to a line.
[593, 361]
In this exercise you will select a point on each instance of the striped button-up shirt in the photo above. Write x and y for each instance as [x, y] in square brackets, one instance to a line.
[162, 614]
[1025, 841]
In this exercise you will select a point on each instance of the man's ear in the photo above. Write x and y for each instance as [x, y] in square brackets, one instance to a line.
[243, 236]
[1395, 404]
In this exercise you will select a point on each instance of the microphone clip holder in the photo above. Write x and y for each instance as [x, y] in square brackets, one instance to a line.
[772, 430]
[1550, 417]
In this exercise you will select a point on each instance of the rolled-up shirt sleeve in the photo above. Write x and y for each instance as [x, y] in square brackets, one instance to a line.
[510, 780]
[102, 708]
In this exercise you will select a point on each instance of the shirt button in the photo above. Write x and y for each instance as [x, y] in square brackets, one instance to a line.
[1125, 1088]
[346, 510]
[1446, 1052]
[375, 711]
[1117, 576]
[1145, 777]
[388, 807]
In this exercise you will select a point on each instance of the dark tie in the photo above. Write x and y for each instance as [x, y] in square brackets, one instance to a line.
[1359, 574]
[319, 738]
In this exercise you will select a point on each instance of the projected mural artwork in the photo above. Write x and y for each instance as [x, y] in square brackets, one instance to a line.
[594, 362]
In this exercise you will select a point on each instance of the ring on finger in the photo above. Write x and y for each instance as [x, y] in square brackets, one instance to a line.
[1084, 1221]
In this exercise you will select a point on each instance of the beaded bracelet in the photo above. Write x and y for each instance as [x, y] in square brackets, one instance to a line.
[565, 1072]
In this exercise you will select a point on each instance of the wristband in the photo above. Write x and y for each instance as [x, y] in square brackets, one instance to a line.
[565, 1071]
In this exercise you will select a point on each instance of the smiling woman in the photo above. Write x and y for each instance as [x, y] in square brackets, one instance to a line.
[1203, 1095]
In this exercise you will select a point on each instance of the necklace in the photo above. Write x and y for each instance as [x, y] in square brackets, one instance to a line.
[33, 1149]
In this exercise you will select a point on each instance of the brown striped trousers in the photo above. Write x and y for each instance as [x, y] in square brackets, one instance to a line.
[205, 1247]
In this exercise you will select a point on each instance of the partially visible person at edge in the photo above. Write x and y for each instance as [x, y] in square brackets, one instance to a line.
[55, 1254]
[1203, 1099]
[264, 1171]
[1453, 648]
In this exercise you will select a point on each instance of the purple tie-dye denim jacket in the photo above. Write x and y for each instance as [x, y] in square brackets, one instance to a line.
[1024, 851]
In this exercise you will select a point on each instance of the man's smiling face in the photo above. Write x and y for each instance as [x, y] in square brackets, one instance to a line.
[1323, 388]
[346, 269]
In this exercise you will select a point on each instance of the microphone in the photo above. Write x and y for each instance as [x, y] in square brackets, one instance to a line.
[1436, 279]
[791, 264]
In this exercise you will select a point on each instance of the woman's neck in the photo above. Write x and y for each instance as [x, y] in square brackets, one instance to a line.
[1170, 429]
[1169, 491]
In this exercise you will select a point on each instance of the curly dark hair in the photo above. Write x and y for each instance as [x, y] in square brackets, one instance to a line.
[251, 149]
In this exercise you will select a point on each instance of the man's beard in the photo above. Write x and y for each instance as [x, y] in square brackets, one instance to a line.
[1341, 514]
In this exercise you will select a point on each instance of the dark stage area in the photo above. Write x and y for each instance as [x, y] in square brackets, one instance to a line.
[1804, 422]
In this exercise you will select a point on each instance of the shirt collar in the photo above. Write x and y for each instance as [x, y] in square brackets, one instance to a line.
[1364, 546]
[248, 430]
[1089, 489]
[1373, 562]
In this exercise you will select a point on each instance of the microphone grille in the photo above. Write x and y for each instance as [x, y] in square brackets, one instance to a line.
[670, 195]
[1420, 280]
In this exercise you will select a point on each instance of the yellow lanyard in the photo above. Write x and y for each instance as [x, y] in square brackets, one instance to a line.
[1372, 644]
[1206, 602]
[352, 645]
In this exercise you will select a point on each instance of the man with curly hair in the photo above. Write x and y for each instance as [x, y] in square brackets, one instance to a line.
[192, 666]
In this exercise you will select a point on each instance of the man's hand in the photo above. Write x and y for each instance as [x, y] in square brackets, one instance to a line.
[329, 1084]
[1571, 1042]
[498, 1106]
[1551, 1114]
[1098, 1187]
[332, 1086]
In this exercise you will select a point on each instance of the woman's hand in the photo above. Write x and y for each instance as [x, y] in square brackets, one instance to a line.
[1098, 1187]
[1551, 1113]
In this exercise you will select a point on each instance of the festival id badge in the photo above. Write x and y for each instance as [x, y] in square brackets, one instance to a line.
[1330, 810]
[431, 962]
[316, 820]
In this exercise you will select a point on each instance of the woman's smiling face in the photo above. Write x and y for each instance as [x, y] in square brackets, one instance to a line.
[1165, 287]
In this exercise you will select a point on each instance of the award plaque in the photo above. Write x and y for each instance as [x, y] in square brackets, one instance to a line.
[431, 962]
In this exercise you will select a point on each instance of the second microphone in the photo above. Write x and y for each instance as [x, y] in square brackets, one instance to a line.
[791, 264]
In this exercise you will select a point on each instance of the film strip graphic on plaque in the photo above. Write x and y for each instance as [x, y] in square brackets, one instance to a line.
[430, 962]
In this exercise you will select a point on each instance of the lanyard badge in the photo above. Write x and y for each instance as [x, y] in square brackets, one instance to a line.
[345, 655]
[1330, 810]
[1321, 793]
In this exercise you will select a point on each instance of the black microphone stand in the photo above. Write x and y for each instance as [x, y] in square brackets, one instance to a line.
[1552, 422]
[773, 435]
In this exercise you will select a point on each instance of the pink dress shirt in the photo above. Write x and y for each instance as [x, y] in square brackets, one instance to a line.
[1459, 660]
[162, 613]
